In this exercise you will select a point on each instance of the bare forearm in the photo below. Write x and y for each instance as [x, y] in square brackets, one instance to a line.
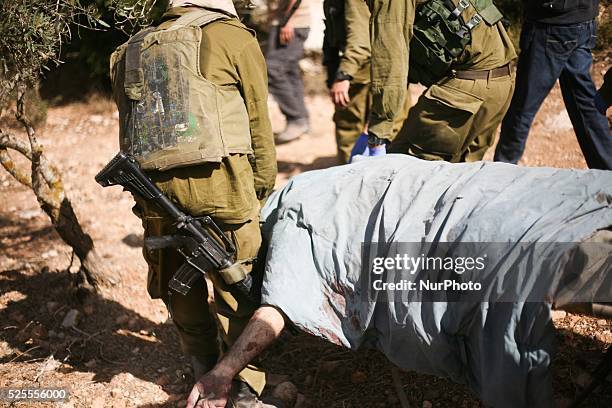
[265, 326]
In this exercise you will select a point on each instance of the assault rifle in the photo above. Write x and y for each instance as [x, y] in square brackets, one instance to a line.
[198, 239]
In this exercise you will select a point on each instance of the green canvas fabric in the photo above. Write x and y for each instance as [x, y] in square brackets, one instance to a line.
[171, 115]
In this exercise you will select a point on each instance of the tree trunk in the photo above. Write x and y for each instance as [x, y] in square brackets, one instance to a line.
[46, 183]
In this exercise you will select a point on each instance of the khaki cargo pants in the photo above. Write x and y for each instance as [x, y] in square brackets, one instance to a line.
[455, 120]
[351, 120]
[203, 333]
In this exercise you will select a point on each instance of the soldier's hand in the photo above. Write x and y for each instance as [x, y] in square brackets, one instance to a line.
[340, 93]
[211, 391]
[287, 33]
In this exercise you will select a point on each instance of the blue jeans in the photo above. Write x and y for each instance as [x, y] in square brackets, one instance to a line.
[548, 53]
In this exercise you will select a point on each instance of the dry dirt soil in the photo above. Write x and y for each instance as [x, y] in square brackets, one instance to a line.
[123, 351]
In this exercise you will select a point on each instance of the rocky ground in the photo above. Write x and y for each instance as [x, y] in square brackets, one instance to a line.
[118, 349]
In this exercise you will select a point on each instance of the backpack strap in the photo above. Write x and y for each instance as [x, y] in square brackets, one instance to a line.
[199, 18]
[134, 76]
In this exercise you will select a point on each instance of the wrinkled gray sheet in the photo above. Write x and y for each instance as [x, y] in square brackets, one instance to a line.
[315, 227]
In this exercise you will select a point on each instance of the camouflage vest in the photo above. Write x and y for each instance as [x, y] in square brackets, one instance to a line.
[170, 115]
[442, 31]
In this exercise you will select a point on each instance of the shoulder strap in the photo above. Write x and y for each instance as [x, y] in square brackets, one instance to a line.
[199, 18]
[134, 76]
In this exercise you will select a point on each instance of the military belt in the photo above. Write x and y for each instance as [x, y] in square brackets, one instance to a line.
[506, 70]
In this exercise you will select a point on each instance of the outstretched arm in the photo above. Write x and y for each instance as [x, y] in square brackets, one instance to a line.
[211, 391]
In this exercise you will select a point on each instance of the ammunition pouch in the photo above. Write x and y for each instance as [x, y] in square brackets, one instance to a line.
[442, 31]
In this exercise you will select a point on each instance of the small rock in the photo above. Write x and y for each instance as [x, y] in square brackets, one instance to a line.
[29, 214]
[558, 314]
[90, 364]
[49, 254]
[135, 350]
[427, 404]
[602, 322]
[71, 319]
[286, 392]
[359, 377]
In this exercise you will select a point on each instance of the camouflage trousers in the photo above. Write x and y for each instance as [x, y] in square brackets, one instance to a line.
[455, 120]
[205, 331]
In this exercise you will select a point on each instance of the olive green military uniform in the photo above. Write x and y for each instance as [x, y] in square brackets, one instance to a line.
[227, 188]
[455, 119]
[351, 120]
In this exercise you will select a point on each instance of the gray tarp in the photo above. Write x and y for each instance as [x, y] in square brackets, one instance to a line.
[316, 225]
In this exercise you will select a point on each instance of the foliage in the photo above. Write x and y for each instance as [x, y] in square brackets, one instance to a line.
[36, 35]
[31, 37]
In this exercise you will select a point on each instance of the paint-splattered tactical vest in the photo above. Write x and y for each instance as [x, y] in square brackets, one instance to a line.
[170, 115]
[442, 31]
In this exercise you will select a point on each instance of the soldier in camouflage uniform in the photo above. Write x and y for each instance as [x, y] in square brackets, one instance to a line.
[192, 99]
[347, 58]
[462, 52]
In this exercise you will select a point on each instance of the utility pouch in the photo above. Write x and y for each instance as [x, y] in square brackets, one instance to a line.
[442, 30]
